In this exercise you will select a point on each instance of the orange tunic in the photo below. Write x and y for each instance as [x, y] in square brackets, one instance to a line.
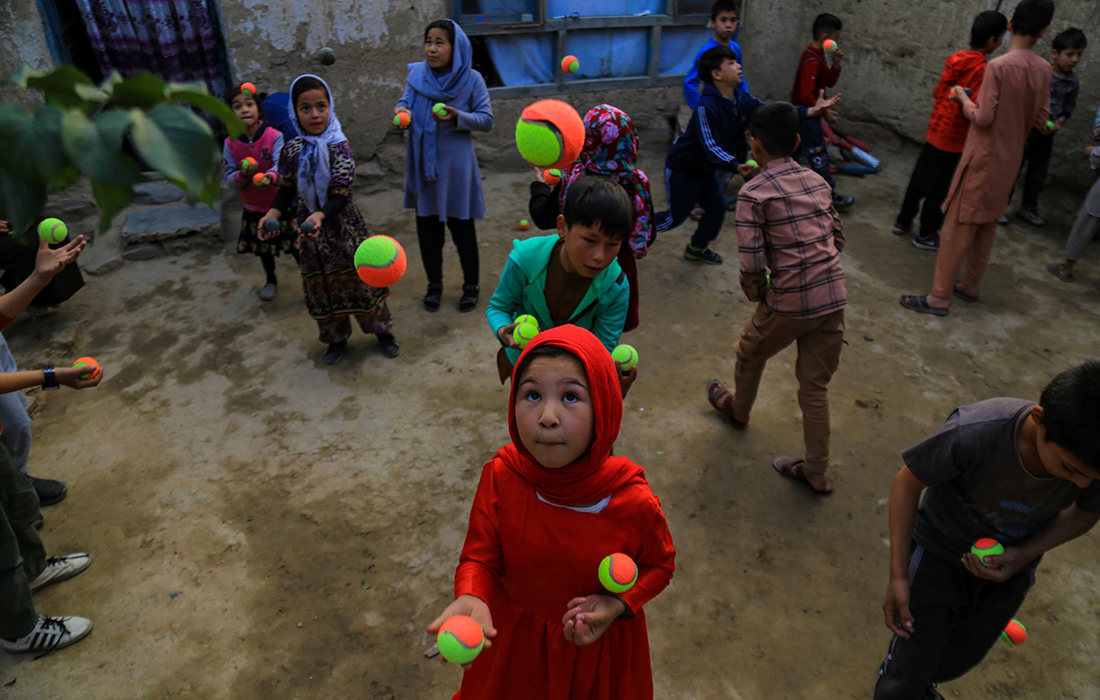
[1015, 98]
[527, 559]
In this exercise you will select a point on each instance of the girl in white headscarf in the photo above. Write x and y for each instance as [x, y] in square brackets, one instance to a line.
[316, 170]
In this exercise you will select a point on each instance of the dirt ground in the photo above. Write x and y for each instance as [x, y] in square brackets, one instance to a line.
[265, 526]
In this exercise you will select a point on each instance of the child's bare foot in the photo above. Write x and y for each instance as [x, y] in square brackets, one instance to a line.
[722, 400]
[795, 469]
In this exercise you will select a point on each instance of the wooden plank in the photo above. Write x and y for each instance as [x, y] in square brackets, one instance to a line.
[543, 89]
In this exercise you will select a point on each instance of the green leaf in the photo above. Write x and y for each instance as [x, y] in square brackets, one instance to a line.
[91, 93]
[95, 147]
[211, 105]
[58, 86]
[66, 177]
[20, 200]
[109, 83]
[110, 200]
[32, 144]
[143, 90]
[177, 143]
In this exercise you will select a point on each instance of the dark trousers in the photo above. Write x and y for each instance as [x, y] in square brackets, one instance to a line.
[429, 230]
[268, 262]
[22, 555]
[957, 618]
[1037, 152]
[813, 148]
[930, 181]
[683, 191]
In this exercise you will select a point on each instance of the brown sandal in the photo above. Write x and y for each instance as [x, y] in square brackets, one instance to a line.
[793, 469]
[716, 394]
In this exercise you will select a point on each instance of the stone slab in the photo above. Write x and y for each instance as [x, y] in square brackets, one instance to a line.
[166, 222]
[156, 193]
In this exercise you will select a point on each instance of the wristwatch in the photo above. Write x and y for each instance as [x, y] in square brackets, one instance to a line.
[50, 381]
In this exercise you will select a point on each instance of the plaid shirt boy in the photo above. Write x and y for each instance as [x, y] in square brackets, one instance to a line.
[786, 223]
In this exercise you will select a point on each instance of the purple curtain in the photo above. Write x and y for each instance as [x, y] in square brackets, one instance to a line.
[178, 40]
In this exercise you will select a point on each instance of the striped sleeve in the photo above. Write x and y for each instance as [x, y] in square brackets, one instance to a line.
[707, 136]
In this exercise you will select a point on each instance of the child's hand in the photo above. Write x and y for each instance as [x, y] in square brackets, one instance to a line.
[5, 227]
[470, 606]
[506, 337]
[261, 228]
[822, 104]
[837, 56]
[539, 176]
[626, 379]
[449, 114]
[896, 608]
[998, 567]
[70, 377]
[399, 110]
[747, 171]
[316, 218]
[588, 618]
[50, 261]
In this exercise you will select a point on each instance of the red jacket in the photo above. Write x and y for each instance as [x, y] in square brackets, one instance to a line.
[813, 74]
[947, 127]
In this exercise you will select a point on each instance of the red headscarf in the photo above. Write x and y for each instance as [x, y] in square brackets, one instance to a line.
[595, 474]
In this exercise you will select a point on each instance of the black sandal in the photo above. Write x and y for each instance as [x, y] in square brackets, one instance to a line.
[434, 297]
[919, 303]
[468, 302]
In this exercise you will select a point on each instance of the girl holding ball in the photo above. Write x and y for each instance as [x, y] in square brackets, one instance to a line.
[316, 171]
[549, 507]
[442, 181]
[250, 165]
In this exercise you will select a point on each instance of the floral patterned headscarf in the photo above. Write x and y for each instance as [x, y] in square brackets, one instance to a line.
[611, 149]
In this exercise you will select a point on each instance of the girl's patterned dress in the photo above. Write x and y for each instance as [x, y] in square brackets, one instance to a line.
[333, 290]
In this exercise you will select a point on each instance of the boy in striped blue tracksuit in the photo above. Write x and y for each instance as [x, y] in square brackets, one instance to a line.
[707, 146]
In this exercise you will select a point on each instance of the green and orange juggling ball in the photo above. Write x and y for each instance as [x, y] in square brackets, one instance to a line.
[549, 134]
[618, 573]
[380, 261]
[985, 547]
[460, 639]
[1014, 633]
[570, 64]
[90, 363]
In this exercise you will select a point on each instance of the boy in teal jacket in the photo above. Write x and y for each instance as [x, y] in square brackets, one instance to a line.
[572, 277]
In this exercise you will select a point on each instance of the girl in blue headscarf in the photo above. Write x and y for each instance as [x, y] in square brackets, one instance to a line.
[316, 172]
[443, 182]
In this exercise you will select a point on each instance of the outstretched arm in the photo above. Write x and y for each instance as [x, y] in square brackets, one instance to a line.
[47, 264]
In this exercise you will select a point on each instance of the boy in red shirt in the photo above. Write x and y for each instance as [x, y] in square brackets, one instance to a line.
[947, 129]
[814, 74]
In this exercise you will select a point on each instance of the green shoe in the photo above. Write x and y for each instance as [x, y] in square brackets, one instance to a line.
[702, 255]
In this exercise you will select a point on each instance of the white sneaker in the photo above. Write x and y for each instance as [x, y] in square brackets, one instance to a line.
[61, 568]
[49, 634]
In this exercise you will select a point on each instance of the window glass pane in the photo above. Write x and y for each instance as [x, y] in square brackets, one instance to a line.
[497, 11]
[523, 59]
[608, 53]
[598, 8]
[679, 46]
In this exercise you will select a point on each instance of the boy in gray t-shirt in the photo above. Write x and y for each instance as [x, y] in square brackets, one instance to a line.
[1012, 470]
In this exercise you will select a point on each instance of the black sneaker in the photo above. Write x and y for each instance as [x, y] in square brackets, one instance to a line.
[926, 242]
[899, 230]
[390, 347]
[843, 203]
[49, 491]
[335, 352]
[702, 255]
[1030, 216]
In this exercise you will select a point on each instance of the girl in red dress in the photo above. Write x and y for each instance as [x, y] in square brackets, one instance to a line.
[549, 507]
